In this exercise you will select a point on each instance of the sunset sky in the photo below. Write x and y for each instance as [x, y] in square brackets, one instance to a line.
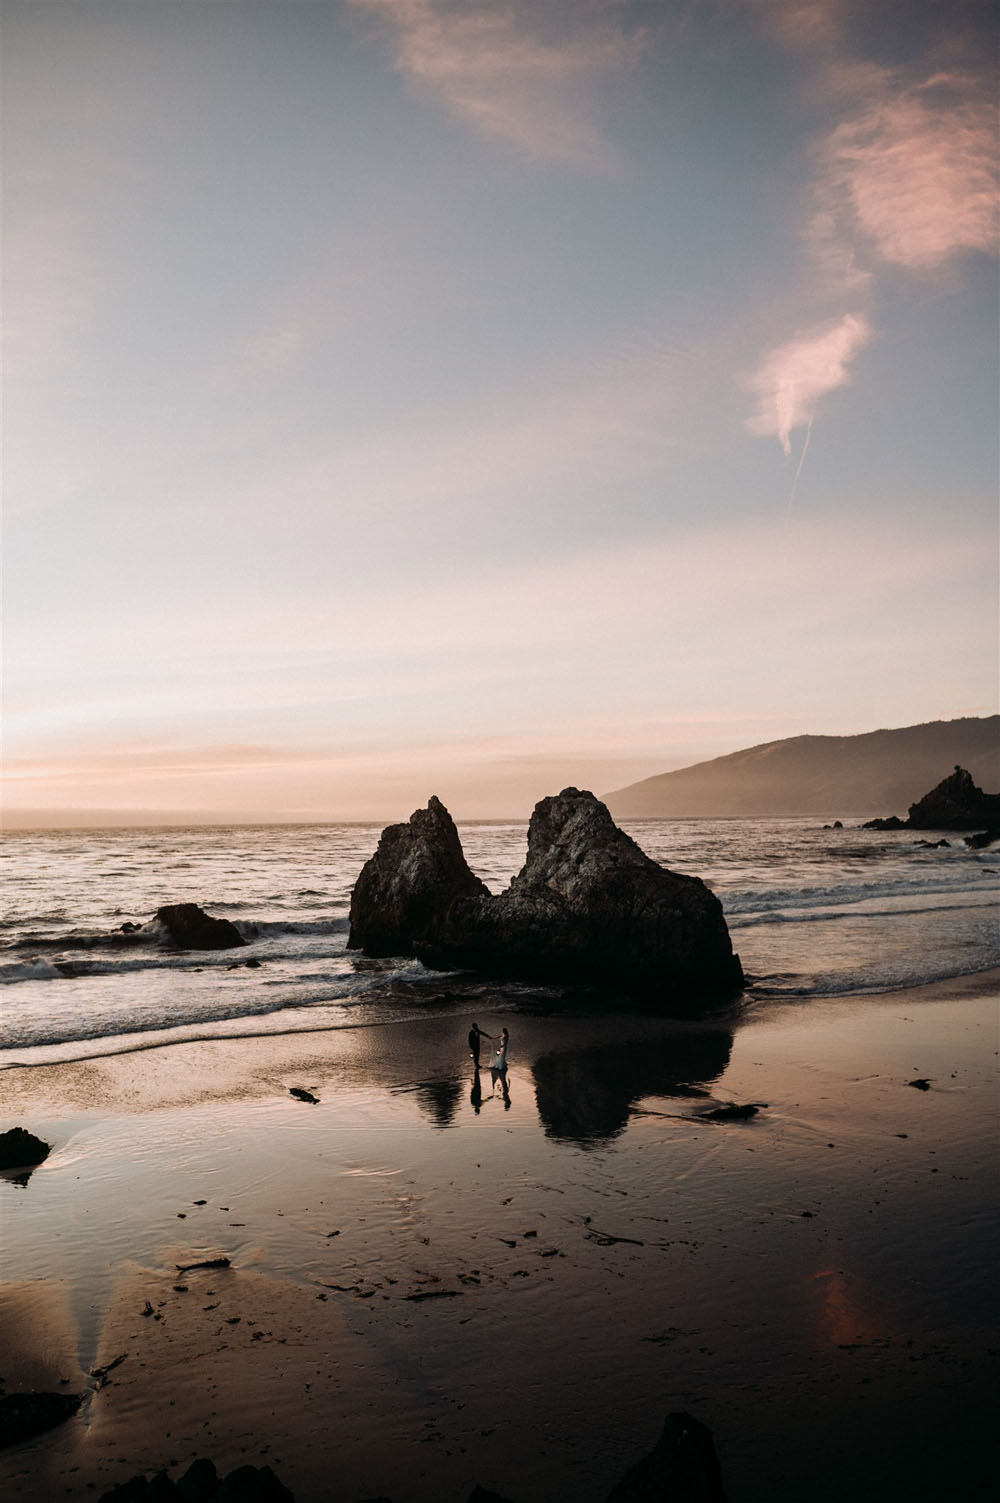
[479, 396]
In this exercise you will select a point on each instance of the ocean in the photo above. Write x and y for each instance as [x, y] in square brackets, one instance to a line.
[813, 912]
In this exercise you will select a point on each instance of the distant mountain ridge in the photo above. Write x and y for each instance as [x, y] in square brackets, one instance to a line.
[877, 772]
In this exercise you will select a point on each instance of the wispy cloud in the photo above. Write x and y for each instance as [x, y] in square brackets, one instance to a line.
[495, 66]
[915, 169]
[793, 378]
[905, 178]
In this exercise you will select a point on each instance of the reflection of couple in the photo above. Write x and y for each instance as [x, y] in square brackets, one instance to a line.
[498, 1064]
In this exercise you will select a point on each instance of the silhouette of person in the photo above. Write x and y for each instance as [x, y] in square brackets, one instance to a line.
[500, 1054]
[475, 1034]
[498, 1066]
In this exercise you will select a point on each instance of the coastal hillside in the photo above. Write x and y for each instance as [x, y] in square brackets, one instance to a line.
[879, 772]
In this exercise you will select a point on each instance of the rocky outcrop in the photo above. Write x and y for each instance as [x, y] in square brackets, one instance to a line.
[20, 1149]
[201, 1483]
[589, 906]
[954, 804]
[682, 1468]
[405, 892]
[190, 928]
[983, 839]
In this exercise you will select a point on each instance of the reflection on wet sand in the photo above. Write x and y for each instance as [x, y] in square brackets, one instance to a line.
[586, 1095]
[439, 1099]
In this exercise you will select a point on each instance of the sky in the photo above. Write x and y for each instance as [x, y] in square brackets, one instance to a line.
[475, 397]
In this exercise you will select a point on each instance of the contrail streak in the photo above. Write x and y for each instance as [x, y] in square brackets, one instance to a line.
[798, 471]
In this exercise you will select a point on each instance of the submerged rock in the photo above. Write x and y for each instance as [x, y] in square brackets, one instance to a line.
[730, 1113]
[980, 841]
[893, 822]
[20, 1149]
[683, 1468]
[191, 928]
[23, 1415]
[588, 906]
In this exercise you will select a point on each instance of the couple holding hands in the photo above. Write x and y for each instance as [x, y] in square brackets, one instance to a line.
[498, 1063]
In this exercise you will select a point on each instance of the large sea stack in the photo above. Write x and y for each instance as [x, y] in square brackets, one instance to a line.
[956, 803]
[588, 906]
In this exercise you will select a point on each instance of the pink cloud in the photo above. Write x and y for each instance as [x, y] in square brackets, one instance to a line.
[491, 66]
[916, 170]
[792, 379]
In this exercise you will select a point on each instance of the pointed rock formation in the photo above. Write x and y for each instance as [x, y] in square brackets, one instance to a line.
[587, 907]
[955, 804]
[404, 892]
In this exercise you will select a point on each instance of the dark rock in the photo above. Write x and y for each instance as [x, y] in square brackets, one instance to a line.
[199, 1483]
[920, 1085]
[205, 1262]
[20, 1149]
[587, 907]
[405, 891]
[252, 1484]
[23, 1415]
[955, 804]
[732, 1113]
[683, 1468]
[301, 1094]
[158, 1489]
[191, 928]
[933, 845]
[135, 1490]
[983, 839]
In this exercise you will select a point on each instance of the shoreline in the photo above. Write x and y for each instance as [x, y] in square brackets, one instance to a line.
[439, 1291]
[739, 1010]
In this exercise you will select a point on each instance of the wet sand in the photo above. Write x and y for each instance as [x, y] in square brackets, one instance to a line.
[428, 1290]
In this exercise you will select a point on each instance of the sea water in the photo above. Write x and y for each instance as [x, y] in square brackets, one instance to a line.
[813, 911]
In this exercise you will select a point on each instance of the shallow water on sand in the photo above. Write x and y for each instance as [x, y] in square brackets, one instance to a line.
[439, 1285]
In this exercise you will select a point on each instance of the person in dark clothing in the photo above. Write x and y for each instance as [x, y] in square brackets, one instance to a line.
[475, 1034]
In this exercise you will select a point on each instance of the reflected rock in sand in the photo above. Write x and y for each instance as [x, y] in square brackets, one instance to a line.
[586, 1095]
[440, 1099]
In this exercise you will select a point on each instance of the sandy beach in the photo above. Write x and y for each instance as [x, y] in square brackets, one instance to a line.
[429, 1290]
